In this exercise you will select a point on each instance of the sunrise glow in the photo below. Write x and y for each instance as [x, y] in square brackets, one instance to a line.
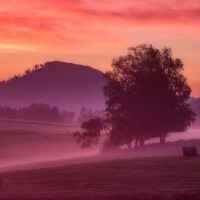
[92, 32]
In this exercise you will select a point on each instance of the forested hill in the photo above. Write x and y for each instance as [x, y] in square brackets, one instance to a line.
[66, 85]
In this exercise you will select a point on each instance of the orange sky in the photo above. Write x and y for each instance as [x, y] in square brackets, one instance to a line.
[92, 32]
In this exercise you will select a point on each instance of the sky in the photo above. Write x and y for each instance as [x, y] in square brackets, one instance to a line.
[93, 32]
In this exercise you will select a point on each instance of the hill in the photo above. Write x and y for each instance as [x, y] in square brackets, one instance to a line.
[66, 85]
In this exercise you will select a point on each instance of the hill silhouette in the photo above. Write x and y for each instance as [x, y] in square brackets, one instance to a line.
[66, 85]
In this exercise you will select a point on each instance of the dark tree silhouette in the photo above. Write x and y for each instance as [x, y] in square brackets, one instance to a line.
[36, 111]
[146, 96]
[91, 132]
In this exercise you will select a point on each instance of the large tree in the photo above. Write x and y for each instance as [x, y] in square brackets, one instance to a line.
[146, 95]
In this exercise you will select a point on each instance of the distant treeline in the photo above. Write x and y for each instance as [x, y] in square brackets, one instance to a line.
[87, 114]
[195, 105]
[37, 112]
[46, 113]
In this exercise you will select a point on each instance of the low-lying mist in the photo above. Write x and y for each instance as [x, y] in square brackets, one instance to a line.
[29, 146]
[18, 147]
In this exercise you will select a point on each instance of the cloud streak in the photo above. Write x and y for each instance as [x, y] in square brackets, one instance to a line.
[93, 32]
[55, 21]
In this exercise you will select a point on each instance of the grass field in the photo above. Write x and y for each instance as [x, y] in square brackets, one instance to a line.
[58, 169]
[27, 142]
[171, 177]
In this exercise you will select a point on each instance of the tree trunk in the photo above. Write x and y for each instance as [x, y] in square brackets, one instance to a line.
[162, 138]
[136, 143]
[141, 141]
[129, 145]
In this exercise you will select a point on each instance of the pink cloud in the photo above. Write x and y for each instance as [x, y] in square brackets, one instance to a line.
[53, 15]
[94, 31]
[53, 25]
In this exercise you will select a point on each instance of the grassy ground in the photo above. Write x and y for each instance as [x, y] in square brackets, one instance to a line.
[172, 177]
[155, 172]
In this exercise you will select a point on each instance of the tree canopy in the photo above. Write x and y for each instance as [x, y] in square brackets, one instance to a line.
[37, 112]
[92, 132]
[146, 96]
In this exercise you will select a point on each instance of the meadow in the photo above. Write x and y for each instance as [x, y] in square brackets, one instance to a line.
[42, 161]
[22, 142]
[173, 177]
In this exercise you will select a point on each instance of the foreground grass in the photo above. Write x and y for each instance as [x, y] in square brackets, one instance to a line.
[140, 178]
[125, 177]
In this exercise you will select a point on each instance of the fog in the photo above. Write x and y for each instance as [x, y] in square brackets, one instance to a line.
[22, 156]
[192, 133]
[19, 150]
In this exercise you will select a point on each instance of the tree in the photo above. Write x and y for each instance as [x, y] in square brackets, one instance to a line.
[91, 132]
[146, 95]
[28, 72]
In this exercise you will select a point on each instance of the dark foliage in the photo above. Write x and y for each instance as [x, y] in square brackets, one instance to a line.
[91, 132]
[146, 95]
[37, 112]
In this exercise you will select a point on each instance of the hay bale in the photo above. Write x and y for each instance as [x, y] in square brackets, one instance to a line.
[189, 151]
